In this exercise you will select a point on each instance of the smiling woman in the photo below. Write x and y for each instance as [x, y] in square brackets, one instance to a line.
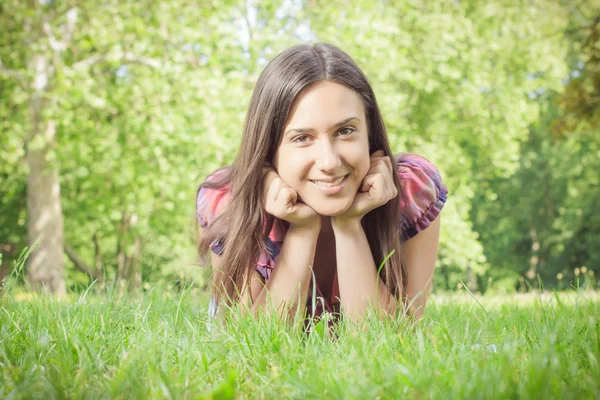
[324, 154]
[316, 189]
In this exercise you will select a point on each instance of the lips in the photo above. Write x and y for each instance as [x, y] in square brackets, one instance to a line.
[329, 183]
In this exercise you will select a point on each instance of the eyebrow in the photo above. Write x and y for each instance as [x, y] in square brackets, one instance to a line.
[305, 130]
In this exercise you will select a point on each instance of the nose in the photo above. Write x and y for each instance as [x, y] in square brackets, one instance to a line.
[328, 159]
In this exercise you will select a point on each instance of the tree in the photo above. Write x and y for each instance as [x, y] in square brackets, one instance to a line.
[453, 79]
[136, 102]
[547, 220]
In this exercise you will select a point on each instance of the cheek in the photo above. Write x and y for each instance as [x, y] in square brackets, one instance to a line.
[366, 162]
[292, 166]
[362, 161]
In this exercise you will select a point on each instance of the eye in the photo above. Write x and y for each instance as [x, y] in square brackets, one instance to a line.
[345, 131]
[300, 139]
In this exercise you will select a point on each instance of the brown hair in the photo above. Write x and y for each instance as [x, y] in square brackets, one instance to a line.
[242, 227]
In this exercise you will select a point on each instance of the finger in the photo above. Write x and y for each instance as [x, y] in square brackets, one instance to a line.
[273, 197]
[274, 189]
[386, 188]
[303, 211]
[379, 189]
[384, 167]
[388, 174]
[266, 168]
[367, 183]
[388, 163]
[269, 173]
[378, 166]
[286, 200]
[378, 153]
[361, 203]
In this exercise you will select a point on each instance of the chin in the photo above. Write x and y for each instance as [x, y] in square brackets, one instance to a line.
[332, 210]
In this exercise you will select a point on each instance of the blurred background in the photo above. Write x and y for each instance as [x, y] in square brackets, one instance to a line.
[113, 112]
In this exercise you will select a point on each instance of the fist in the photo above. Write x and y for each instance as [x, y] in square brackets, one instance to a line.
[377, 188]
[281, 201]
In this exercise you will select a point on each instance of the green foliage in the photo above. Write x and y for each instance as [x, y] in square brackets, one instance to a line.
[549, 225]
[149, 97]
[454, 81]
[147, 103]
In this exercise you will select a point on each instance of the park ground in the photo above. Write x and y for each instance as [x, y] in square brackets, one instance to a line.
[159, 345]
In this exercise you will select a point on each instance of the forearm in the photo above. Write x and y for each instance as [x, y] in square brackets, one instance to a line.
[420, 255]
[359, 282]
[287, 288]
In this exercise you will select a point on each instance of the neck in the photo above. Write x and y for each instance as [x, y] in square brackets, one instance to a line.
[326, 235]
[326, 223]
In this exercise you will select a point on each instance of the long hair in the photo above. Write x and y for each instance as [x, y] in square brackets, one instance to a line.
[242, 229]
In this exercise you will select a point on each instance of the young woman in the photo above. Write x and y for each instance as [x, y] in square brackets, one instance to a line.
[316, 190]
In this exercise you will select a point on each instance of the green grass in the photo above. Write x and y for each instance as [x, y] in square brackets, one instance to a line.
[157, 345]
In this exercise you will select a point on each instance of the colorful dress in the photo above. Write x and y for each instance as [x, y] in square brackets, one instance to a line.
[423, 199]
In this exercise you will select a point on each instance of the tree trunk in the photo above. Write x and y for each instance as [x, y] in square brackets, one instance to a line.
[122, 262]
[534, 259]
[444, 272]
[135, 273]
[98, 263]
[44, 213]
[471, 280]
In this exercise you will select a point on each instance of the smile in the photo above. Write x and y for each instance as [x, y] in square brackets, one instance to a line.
[329, 184]
[332, 187]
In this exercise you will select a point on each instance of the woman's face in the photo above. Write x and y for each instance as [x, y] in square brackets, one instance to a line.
[324, 153]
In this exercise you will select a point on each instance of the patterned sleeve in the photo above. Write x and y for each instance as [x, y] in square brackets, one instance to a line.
[424, 195]
[210, 202]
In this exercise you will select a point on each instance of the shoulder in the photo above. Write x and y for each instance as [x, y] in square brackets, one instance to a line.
[213, 196]
[414, 168]
[423, 193]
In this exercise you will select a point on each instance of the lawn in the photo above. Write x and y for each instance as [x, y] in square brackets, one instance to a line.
[158, 345]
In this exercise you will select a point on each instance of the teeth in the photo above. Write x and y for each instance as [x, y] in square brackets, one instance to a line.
[329, 184]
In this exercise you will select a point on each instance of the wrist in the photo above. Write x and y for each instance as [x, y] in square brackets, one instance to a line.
[350, 225]
[308, 229]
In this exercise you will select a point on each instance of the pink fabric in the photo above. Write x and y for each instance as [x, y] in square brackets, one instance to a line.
[424, 194]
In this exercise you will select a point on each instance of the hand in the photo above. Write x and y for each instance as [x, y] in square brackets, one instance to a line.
[281, 201]
[377, 189]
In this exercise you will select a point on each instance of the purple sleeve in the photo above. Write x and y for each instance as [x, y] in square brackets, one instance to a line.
[424, 195]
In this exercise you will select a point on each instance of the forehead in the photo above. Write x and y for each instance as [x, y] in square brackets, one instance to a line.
[325, 103]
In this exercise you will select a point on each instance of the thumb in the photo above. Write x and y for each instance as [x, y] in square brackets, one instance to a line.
[303, 211]
[367, 183]
[288, 198]
[361, 202]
